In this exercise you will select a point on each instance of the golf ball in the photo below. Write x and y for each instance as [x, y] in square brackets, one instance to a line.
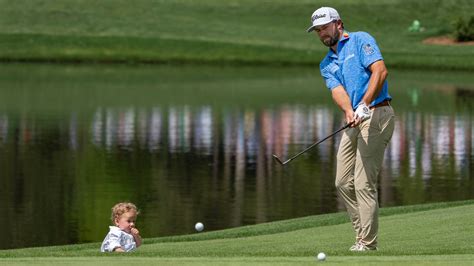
[321, 256]
[199, 227]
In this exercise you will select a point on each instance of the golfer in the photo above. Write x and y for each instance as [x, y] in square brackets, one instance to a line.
[355, 73]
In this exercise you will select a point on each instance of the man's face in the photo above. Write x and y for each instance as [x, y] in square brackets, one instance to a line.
[328, 34]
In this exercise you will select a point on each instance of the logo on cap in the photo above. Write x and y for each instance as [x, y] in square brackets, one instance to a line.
[316, 16]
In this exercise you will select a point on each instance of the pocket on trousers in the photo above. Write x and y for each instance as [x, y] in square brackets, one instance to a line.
[386, 118]
[375, 135]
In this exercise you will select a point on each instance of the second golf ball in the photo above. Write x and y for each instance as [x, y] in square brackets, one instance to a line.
[321, 256]
[199, 227]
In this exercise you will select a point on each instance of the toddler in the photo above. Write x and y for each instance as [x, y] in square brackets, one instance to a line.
[123, 237]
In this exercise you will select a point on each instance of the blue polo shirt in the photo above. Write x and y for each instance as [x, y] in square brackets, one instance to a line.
[350, 66]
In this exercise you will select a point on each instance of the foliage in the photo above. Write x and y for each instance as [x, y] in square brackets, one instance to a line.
[464, 29]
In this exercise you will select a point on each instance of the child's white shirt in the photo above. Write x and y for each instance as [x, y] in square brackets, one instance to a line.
[117, 238]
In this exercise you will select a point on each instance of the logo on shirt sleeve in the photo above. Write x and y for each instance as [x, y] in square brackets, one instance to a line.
[368, 50]
[331, 68]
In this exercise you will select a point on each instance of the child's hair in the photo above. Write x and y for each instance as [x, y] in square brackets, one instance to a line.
[121, 208]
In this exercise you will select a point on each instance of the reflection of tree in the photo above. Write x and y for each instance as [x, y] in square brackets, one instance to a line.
[35, 178]
[3, 128]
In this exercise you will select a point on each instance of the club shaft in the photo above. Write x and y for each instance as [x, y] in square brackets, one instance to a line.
[314, 144]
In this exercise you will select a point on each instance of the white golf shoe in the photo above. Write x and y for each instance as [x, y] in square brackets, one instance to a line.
[354, 247]
[359, 247]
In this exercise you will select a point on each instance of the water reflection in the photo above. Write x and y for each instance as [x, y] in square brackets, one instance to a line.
[427, 143]
[424, 146]
[184, 128]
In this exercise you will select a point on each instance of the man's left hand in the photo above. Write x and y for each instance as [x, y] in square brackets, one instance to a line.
[362, 113]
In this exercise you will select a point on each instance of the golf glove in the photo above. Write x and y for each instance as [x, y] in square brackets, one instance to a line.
[362, 112]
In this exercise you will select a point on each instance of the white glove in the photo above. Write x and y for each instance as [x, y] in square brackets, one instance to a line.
[362, 112]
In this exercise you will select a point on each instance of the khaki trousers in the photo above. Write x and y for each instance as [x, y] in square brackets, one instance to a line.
[359, 160]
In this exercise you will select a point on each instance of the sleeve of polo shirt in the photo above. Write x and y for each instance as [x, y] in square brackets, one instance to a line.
[369, 51]
[330, 79]
[113, 241]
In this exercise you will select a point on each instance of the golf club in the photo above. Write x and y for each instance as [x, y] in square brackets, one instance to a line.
[312, 145]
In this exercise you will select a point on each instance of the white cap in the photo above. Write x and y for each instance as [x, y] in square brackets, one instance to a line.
[322, 16]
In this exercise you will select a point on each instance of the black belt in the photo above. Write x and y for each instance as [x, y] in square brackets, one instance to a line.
[384, 103]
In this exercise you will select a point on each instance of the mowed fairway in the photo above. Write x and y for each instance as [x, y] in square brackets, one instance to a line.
[437, 235]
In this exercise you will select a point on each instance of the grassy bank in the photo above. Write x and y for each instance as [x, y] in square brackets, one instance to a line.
[416, 235]
[221, 32]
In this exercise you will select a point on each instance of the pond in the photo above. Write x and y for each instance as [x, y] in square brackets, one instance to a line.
[192, 144]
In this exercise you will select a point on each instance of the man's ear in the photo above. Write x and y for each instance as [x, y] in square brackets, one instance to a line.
[340, 24]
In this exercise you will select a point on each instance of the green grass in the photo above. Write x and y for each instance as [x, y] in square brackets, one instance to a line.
[428, 234]
[221, 32]
[340, 260]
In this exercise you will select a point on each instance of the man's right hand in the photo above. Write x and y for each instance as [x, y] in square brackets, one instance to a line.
[350, 118]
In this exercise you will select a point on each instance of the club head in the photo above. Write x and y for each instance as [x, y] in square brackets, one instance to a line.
[277, 159]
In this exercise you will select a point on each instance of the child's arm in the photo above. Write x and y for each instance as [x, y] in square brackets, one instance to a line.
[112, 242]
[136, 236]
[119, 249]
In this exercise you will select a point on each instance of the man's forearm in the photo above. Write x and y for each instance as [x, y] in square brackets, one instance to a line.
[379, 74]
[340, 97]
